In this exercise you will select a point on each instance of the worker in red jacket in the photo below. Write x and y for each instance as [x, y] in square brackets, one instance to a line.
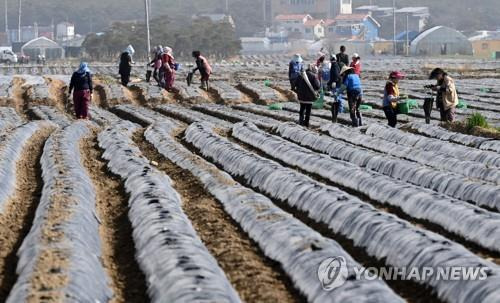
[356, 64]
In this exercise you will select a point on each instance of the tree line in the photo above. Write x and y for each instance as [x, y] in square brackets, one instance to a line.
[215, 39]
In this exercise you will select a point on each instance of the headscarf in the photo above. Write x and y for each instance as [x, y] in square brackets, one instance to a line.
[130, 49]
[297, 58]
[84, 68]
[168, 50]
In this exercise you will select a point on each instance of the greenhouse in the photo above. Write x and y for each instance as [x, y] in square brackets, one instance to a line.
[441, 40]
[43, 46]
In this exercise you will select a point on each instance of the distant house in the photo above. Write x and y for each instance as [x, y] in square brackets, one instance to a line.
[43, 46]
[217, 18]
[486, 45]
[441, 40]
[356, 26]
[295, 25]
[318, 9]
[314, 29]
[73, 48]
[65, 31]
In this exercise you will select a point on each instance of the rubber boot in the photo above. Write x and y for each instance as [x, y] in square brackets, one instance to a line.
[335, 112]
[428, 103]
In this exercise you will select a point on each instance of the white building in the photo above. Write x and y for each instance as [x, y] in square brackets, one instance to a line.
[65, 31]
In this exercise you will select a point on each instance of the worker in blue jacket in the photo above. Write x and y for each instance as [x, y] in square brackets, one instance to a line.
[352, 84]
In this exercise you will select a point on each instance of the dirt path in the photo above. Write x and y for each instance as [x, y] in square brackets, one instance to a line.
[248, 96]
[256, 278]
[285, 94]
[134, 95]
[16, 220]
[128, 281]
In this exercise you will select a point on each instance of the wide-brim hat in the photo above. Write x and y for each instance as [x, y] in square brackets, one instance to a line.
[344, 69]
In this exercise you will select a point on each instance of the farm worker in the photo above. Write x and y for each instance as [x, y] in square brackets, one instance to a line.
[321, 58]
[307, 86]
[168, 67]
[126, 64]
[156, 62]
[356, 64]
[352, 84]
[324, 74]
[391, 97]
[204, 67]
[334, 85]
[81, 83]
[447, 96]
[294, 69]
[342, 57]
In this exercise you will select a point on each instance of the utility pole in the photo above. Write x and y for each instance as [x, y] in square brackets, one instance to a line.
[407, 35]
[227, 7]
[394, 24]
[7, 22]
[19, 22]
[148, 36]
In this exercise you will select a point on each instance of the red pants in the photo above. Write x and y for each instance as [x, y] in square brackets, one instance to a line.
[81, 99]
[169, 80]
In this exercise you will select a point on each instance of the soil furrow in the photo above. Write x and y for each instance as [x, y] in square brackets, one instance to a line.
[255, 277]
[19, 96]
[57, 90]
[118, 251]
[16, 220]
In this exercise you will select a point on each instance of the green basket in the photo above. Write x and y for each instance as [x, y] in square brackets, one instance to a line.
[320, 103]
[404, 108]
[365, 107]
[462, 104]
[276, 106]
[412, 104]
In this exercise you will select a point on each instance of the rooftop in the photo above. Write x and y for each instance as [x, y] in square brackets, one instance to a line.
[312, 23]
[292, 17]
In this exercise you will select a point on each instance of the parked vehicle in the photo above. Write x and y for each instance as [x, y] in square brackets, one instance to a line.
[7, 55]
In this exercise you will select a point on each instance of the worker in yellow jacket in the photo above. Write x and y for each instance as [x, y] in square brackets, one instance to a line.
[447, 96]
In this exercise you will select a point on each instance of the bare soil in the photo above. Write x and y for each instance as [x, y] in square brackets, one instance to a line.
[134, 95]
[19, 96]
[59, 97]
[255, 277]
[17, 218]
[118, 251]
[461, 127]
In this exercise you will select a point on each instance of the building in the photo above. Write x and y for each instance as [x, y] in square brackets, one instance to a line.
[314, 30]
[43, 46]
[319, 9]
[294, 25]
[412, 19]
[441, 40]
[31, 32]
[73, 48]
[65, 31]
[361, 27]
[486, 45]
